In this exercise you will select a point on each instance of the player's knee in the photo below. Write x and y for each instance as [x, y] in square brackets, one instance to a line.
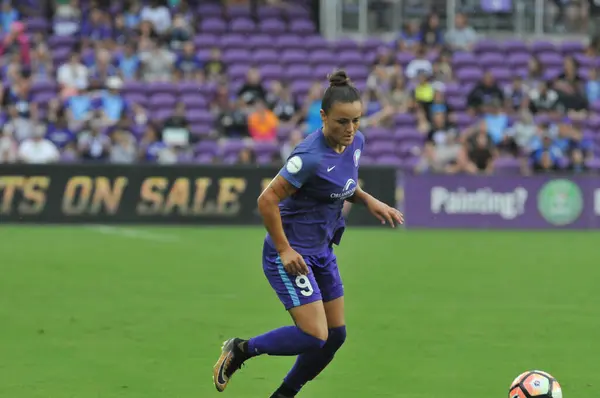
[337, 337]
[318, 331]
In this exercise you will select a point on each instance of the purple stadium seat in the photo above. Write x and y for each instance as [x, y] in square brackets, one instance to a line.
[206, 158]
[302, 27]
[238, 71]
[261, 41]
[299, 72]
[594, 164]
[161, 88]
[283, 132]
[518, 60]
[272, 26]
[469, 74]
[206, 147]
[351, 57]
[242, 25]
[372, 44]
[584, 60]
[289, 42]
[234, 12]
[460, 59]
[405, 119]
[231, 147]
[136, 98]
[134, 87]
[319, 56]
[290, 57]
[266, 12]
[542, 46]
[213, 25]
[160, 114]
[457, 103]
[507, 165]
[404, 58]
[185, 158]
[314, 43]
[488, 60]
[210, 11]
[265, 148]
[233, 42]
[514, 46]
[266, 56]
[487, 46]
[62, 41]
[237, 56]
[201, 130]
[345, 44]
[571, 47]
[197, 116]
[502, 74]
[37, 24]
[377, 133]
[410, 163]
[194, 101]
[271, 71]
[549, 59]
[390, 160]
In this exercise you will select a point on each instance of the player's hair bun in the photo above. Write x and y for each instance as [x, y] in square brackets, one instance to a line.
[339, 79]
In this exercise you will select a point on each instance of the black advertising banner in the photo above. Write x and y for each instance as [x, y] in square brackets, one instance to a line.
[134, 194]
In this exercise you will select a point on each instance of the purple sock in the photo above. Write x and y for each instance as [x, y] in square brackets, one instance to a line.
[285, 341]
[311, 363]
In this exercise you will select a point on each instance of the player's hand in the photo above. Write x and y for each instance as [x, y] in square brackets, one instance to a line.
[293, 262]
[384, 213]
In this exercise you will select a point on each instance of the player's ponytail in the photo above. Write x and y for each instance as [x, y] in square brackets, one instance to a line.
[340, 89]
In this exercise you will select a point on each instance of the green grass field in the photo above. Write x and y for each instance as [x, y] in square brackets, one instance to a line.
[90, 312]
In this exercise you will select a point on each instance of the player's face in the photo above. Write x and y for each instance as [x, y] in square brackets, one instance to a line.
[343, 121]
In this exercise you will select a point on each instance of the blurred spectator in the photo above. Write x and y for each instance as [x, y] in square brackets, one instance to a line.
[262, 123]
[409, 37]
[215, 68]
[463, 37]
[158, 14]
[424, 92]
[374, 106]
[312, 109]
[484, 92]
[37, 149]
[97, 27]
[181, 33]
[496, 122]
[157, 63]
[442, 147]
[8, 15]
[442, 68]
[73, 75]
[176, 127]
[253, 88]
[535, 73]
[543, 99]
[79, 108]
[281, 102]
[129, 63]
[58, 130]
[67, 18]
[9, 149]
[132, 11]
[42, 68]
[431, 34]
[592, 86]
[123, 148]
[420, 64]
[547, 157]
[188, 64]
[111, 103]
[102, 69]
[516, 96]
[524, 131]
[294, 139]
[16, 42]
[92, 144]
[481, 153]
[247, 156]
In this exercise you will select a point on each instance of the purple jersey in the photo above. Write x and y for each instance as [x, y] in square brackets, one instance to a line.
[312, 217]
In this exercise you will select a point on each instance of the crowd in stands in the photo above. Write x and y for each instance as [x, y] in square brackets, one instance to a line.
[165, 81]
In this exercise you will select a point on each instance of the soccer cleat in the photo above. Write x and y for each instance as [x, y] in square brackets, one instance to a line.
[232, 358]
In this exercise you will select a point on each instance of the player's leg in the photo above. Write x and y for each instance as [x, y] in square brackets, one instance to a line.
[302, 298]
[310, 364]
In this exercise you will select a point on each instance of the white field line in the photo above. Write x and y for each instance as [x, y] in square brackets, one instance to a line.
[134, 233]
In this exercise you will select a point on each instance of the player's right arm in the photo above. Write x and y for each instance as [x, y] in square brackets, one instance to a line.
[292, 176]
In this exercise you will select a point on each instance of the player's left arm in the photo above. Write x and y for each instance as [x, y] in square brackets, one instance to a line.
[384, 213]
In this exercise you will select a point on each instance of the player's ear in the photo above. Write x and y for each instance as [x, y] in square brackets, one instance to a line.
[323, 117]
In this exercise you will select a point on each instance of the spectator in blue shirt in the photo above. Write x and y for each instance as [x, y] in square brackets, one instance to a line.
[188, 64]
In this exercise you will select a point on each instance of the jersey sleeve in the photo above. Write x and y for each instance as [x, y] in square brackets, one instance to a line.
[299, 168]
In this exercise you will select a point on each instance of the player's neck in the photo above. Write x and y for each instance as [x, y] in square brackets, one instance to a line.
[334, 145]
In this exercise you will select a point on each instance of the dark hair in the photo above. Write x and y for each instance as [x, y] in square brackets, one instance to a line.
[340, 90]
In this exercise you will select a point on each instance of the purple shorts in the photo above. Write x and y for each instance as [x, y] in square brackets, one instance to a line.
[322, 283]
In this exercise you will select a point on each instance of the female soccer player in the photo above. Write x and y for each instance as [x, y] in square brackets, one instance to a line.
[302, 212]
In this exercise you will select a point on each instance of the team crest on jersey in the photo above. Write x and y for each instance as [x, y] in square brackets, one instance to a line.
[356, 157]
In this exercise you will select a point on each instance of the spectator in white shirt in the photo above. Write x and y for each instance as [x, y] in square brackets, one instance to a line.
[463, 37]
[37, 149]
[8, 145]
[157, 14]
[73, 75]
[419, 64]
